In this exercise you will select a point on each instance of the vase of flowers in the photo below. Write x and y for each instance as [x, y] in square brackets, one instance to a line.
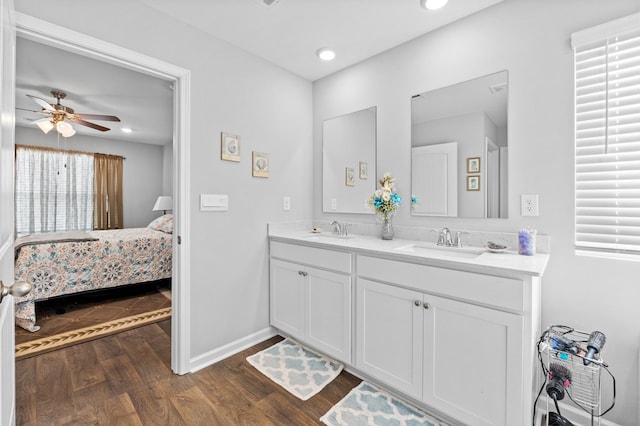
[385, 201]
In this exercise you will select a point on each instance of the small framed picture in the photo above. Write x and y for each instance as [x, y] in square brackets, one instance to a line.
[260, 164]
[349, 176]
[363, 170]
[473, 183]
[229, 147]
[473, 165]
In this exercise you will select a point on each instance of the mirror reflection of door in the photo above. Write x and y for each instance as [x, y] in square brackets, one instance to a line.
[492, 178]
[434, 180]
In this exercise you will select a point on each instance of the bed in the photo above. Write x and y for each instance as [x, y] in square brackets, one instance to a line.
[59, 264]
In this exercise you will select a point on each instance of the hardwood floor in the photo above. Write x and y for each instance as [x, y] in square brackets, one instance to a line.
[126, 379]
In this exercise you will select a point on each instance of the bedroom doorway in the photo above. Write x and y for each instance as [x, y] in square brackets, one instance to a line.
[57, 37]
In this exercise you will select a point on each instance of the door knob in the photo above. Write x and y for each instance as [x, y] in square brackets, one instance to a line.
[18, 289]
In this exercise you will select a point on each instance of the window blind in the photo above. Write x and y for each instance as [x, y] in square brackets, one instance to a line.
[607, 139]
[53, 191]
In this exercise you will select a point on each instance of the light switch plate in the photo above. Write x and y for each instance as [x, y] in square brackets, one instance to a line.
[286, 204]
[214, 202]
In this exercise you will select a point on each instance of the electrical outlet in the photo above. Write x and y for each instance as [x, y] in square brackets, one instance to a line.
[529, 205]
[334, 204]
[286, 204]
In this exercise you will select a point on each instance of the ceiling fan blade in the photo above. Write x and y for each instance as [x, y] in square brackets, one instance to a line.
[97, 117]
[92, 125]
[44, 104]
[31, 110]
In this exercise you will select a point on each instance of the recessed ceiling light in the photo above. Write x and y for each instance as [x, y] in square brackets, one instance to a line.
[433, 4]
[326, 54]
[126, 130]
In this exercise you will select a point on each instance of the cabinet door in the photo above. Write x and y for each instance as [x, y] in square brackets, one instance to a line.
[389, 332]
[328, 313]
[473, 362]
[287, 297]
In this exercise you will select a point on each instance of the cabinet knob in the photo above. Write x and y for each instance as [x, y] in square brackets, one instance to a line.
[417, 303]
[303, 273]
[426, 305]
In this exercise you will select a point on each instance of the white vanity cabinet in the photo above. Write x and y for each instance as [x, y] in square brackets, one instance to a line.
[460, 342]
[310, 297]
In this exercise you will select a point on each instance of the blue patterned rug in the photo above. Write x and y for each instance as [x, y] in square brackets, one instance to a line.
[296, 368]
[367, 405]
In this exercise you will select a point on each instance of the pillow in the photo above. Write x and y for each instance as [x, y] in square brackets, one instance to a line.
[163, 224]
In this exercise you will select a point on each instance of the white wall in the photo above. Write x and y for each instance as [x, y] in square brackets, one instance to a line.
[167, 169]
[530, 39]
[142, 172]
[231, 91]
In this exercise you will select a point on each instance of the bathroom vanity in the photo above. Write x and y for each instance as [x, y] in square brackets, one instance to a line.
[453, 330]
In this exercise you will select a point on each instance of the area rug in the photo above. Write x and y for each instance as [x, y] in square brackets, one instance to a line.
[62, 340]
[78, 318]
[368, 405]
[299, 370]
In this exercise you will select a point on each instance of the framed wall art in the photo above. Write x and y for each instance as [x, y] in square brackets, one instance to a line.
[363, 170]
[229, 147]
[260, 164]
[349, 176]
[473, 165]
[473, 183]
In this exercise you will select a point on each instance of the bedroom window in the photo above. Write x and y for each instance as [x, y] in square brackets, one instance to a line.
[607, 138]
[53, 190]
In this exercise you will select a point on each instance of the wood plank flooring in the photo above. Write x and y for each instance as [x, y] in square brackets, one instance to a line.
[126, 379]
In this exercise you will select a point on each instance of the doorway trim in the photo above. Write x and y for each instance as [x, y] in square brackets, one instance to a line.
[62, 38]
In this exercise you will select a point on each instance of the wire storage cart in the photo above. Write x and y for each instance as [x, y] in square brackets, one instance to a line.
[572, 363]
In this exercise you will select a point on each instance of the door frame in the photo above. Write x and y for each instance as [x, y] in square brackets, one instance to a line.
[62, 38]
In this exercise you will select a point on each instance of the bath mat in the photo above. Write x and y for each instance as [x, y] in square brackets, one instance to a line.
[368, 405]
[299, 370]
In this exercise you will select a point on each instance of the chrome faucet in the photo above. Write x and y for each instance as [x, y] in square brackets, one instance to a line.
[337, 228]
[444, 239]
[341, 229]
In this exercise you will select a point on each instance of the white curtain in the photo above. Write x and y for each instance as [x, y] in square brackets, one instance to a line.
[54, 190]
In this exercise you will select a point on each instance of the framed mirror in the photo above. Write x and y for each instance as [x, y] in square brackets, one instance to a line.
[459, 149]
[349, 162]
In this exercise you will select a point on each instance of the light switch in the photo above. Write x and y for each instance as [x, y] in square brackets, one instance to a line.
[214, 202]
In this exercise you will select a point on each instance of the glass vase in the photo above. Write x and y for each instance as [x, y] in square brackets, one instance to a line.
[387, 228]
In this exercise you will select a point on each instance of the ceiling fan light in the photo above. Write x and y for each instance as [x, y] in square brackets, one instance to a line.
[432, 4]
[45, 125]
[65, 129]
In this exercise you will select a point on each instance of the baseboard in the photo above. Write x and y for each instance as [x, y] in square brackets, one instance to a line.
[572, 413]
[229, 349]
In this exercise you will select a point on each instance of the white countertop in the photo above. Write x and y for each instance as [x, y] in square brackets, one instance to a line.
[508, 261]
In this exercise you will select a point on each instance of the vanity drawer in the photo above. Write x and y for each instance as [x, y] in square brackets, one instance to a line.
[316, 257]
[505, 293]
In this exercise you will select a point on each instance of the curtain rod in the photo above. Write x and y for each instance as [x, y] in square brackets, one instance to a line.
[70, 151]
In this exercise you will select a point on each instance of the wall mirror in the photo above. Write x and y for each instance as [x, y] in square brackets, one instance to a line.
[459, 149]
[349, 162]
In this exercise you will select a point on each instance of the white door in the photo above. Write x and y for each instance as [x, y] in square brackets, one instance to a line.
[389, 335]
[434, 179]
[7, 102]
[473, 362]
[328, 313]
[286, 297]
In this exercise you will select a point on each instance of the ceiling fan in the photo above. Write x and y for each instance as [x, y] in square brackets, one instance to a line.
[58, 116]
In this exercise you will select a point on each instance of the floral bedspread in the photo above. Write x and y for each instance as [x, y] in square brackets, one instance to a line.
[118, 257]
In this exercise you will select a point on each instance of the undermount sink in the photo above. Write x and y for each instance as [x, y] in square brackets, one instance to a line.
[431, 249]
